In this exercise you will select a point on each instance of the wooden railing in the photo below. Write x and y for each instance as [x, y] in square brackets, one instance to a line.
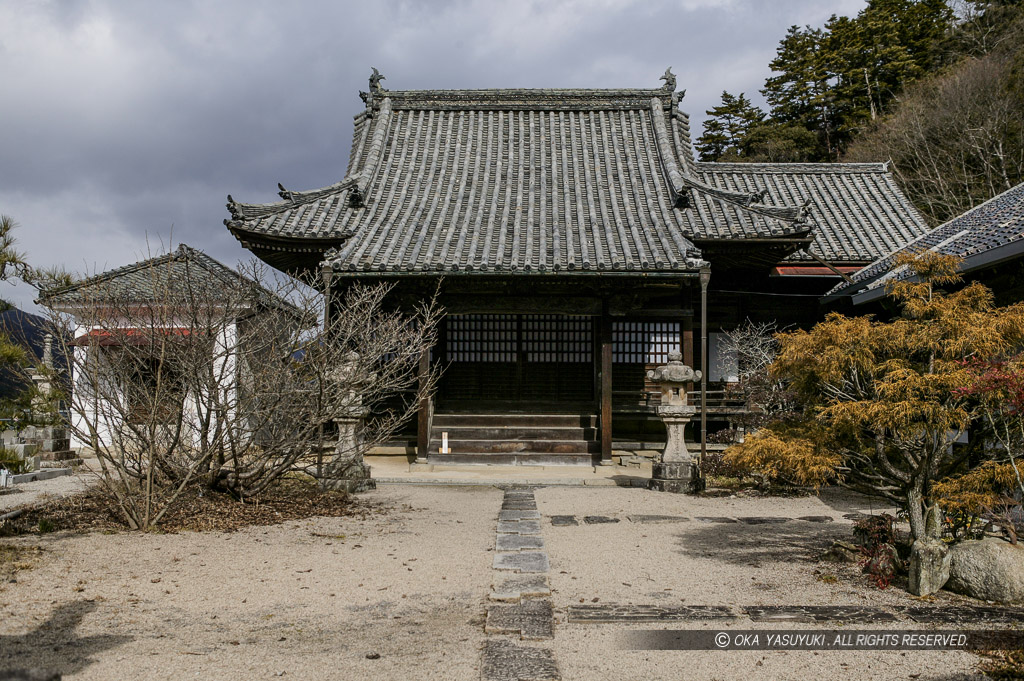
[719, 401]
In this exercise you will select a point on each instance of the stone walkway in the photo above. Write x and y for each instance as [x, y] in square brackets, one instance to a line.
[520, 608]
[608, 613]
[521, 603]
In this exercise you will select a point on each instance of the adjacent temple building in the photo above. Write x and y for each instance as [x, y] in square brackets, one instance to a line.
[570, 231]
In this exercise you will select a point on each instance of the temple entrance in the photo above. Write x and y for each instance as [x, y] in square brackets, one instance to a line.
[509, 362]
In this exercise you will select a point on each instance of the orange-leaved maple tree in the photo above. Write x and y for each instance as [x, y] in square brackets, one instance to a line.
[884, 401]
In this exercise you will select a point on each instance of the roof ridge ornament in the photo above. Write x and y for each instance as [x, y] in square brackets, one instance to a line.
[375, 88]
[803, 213]
[234, 209]
[670, 80]
[284, 193]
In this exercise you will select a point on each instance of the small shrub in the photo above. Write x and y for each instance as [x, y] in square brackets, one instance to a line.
[46, 526]
[12, 462]
[876, 536]
[714, 464]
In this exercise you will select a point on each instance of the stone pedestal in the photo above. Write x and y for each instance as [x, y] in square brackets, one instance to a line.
[347, 471]
[678, 478]
[677, 471]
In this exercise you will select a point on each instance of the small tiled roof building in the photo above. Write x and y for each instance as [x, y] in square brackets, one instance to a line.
[989, 238]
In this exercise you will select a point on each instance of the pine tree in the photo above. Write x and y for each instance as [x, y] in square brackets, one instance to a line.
[833, 80]
[801, 92]
[728, 126]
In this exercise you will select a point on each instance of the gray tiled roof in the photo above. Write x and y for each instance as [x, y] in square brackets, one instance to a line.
[859, 211]
[544, 180]
[996, 223]
[184, 269]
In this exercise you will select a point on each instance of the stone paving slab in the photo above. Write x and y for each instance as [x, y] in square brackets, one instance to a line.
[519, 542]
[506, 661]
[962, 614]
[817, 613]
[530, 620]
[714, 519]
[649, 519]
[563, 520]
[817, 518]
[608, 612]
[518, 587]
[42, 474]
[519, 506]
[513, 496]
[518, 527]
[519, 515]
[763, 520]
[598, 519]
[525, 561]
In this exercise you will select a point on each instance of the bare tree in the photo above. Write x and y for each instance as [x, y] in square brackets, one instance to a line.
[956, 140]
[767, 397]
[188, 374]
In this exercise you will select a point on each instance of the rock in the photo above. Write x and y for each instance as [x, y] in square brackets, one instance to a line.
[989, 569]
[841, 552]
[884, 564]
[929, 566]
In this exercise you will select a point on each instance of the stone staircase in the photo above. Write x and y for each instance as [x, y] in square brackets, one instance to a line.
[50, 444]
[511, 439]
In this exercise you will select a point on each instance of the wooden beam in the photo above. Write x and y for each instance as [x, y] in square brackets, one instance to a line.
[606, 386]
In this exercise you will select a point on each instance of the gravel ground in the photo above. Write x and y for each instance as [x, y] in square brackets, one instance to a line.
[27, 493]
[311, 599]
[696, 563]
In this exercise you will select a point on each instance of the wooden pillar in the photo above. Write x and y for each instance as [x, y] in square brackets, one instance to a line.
[423, 417]
[606, 385]
[688, 346]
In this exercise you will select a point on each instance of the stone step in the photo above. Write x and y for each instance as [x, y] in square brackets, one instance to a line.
[511, 459]
[62, 463]
[518, 446]
[514, 433]
[64, 455]
[517, 420]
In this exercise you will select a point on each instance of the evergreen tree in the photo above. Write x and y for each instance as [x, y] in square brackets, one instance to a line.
[728, 127]
[832, 80]
[801, 91]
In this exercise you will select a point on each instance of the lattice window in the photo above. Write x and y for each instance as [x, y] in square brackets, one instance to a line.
[558, 338]
[481, 338]
[644, 342]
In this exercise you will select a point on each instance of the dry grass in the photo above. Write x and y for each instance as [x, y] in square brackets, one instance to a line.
[198, 510]
[1004, 664]
[15, 558]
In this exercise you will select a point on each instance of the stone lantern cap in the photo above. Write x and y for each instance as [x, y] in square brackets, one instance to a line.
[672, 379]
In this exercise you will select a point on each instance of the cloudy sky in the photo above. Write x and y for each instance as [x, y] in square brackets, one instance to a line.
[125, 124]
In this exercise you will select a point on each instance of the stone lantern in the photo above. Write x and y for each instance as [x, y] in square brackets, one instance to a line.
[347, 470]
[677, 471]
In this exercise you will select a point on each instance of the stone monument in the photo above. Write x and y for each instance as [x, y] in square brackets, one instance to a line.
[677, 471]
[43, 446]
[347, 470]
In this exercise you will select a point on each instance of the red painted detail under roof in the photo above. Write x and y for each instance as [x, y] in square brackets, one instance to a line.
[812, 271]
[108, 337]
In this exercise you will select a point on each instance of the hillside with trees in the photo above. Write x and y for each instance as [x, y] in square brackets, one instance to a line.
[935, 87]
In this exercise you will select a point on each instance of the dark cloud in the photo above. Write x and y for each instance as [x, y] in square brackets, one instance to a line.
[126, 124]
